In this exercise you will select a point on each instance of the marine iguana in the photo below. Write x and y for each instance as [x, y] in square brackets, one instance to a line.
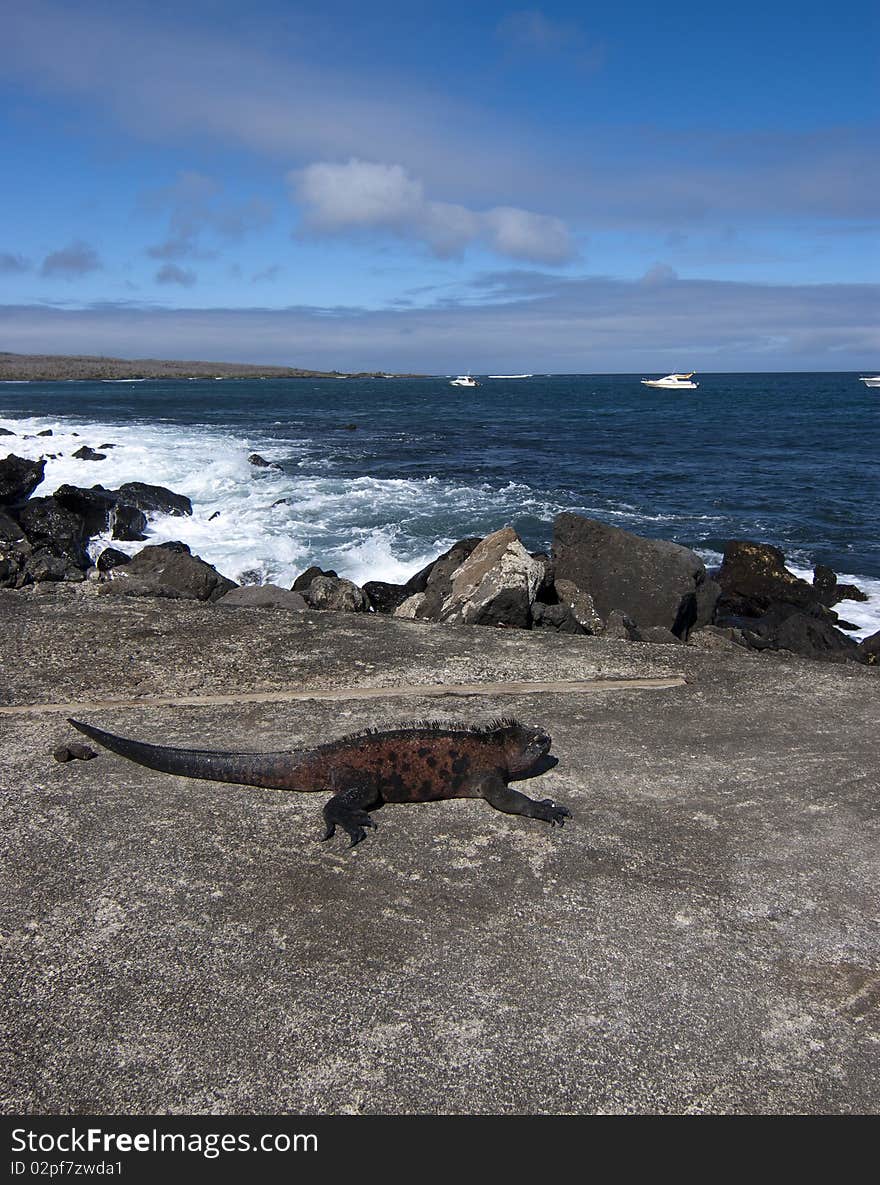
[419, 762]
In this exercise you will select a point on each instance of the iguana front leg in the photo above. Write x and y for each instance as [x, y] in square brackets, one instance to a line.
[498, 794]
[349, 809]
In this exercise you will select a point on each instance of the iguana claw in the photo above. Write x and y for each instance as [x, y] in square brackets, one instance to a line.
[556, 815]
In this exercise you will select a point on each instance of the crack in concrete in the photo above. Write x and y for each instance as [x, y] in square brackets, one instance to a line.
[430, 690]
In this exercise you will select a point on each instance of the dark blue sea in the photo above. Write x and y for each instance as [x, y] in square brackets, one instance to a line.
[378, 476]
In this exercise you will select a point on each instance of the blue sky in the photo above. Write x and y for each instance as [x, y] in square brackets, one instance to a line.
[440, 187]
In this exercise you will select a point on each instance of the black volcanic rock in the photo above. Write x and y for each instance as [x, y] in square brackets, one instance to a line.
[111, 557]
[92, 505]
[127, 522]
[753, 578]
[43, 566]
[869, 648]
[18, 479]
[261, 462]
[808, 632]
[850, 592]
[84, 453]
[650, 581]
[13, 557]
[10, 529]
[829, 590]
[154, 499]
[165, 571]
[53, 528]
[384, 597]
[14, 551]
[304, 580]
[825, 585]
[103, 510]
[558, 617]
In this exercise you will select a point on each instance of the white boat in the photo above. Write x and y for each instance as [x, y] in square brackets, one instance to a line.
[673, 382]
[871, 380]
[464, 380]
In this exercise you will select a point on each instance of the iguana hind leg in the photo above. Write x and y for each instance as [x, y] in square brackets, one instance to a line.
[512, 802]
[348, 809]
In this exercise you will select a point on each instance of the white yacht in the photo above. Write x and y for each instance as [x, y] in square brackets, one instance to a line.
[673, 382]
[871, 380]
[464, 380]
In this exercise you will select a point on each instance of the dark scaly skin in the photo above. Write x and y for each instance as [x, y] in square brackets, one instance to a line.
[416, 763]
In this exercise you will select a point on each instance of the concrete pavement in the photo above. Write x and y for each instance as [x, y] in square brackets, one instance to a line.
[702, 937]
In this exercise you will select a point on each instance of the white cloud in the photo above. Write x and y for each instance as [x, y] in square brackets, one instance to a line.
[524, 235]
[338, 198]
[358, 194]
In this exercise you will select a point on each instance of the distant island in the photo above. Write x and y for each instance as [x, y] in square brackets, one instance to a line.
[57, 367]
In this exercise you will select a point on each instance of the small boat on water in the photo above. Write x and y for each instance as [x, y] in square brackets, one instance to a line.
[870, 380]
[464, 380]
[673, 382]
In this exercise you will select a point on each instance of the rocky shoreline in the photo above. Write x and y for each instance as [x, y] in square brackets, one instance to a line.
[595, 580]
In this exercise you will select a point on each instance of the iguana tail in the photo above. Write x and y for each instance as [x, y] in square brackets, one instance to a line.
[272, 770]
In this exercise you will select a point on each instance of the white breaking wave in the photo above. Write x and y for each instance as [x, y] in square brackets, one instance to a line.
[256, 525]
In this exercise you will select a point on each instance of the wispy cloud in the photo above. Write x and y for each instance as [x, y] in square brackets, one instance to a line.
[531, 32]
[660, 273]
[358, 195]
[72, 261]
[196, 207]
[13, 263]
[266, 274]
[170, 273]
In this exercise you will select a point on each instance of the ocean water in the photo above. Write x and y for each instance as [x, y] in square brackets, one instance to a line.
[377, 477]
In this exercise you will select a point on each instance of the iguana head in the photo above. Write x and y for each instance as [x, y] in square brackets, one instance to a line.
[524, 745]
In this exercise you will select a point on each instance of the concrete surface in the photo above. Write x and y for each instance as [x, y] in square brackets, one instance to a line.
[703, 937]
